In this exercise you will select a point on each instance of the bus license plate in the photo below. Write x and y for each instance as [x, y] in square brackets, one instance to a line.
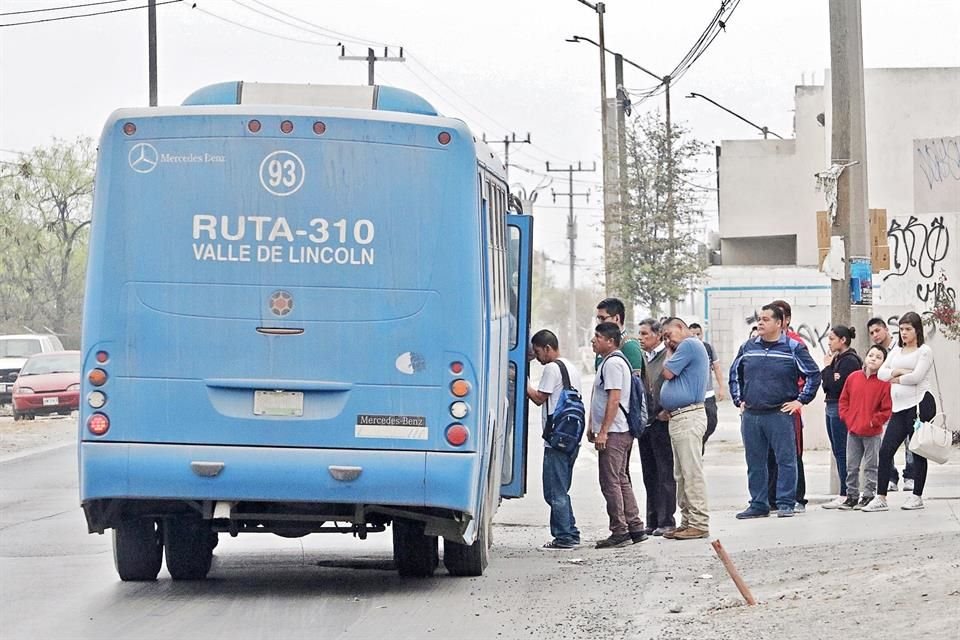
[278, 403]
[50, 402]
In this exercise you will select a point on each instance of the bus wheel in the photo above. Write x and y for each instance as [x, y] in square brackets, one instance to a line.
[415, 554]
[468, 559]
[189, 547]
[137, 549]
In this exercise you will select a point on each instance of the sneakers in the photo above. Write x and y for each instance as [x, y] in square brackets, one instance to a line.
[913, 502]
[786, 512]
[663, 531]
[835, 503]
[638, 536]
[556, 545]
[615, 540]
[864, 501]
[849, 504]
[907, 484]
[750, 512]
[893, 486]
[879, 503]
[799, 508]
[689, 533]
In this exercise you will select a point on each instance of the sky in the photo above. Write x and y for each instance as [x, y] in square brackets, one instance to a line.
[504, 66]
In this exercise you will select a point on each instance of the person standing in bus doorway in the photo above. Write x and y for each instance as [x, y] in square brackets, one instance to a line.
[712, 396]
[610, 434]
[880, 335]
[557, 465]
[763, 384]
[686, 373]
[656, 452]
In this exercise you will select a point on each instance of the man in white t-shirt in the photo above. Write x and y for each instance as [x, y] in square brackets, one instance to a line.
[610, 434]
[557, 465]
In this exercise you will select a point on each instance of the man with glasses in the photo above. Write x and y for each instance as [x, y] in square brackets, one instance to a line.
[612, 310]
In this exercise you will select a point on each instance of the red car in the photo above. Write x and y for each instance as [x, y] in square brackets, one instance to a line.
[47, 383]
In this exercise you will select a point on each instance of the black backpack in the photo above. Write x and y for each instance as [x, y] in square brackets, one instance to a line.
[565, 426]
[636, 415]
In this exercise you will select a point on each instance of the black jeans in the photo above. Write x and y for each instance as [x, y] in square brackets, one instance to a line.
[710, 407]
[656, 461]
[899, 427]
[772, 480]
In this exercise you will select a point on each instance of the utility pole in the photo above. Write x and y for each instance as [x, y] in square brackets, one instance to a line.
[506, 142]
[848, 144]
[152, 50]
[372, 59]
[623, 109]
[671, 227]
[571, 237]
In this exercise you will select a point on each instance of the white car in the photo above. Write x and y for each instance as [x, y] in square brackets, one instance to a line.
[14, 351]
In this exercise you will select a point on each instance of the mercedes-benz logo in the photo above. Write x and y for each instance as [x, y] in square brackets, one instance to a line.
[143, 158]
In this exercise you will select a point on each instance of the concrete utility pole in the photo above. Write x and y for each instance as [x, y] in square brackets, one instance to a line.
[671, 228]
[506, 142]
[623, 109]
[571, 237]
[848, 142]
[372, 59]
[152, 50]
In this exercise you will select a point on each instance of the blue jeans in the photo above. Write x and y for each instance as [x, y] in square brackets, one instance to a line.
[837, 432]
[762, 432]
[557, 475]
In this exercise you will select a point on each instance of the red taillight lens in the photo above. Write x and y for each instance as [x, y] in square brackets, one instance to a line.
[456, 368]
[98, 424]
[129, 129]
[319, 128]
[253, 126]
[457, 434]
[286, 126]
[443, 138]
[460, 388]
[102, 356]
[97, 377]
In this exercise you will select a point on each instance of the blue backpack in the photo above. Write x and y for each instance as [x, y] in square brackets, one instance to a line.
[636, 415]
[565, 426]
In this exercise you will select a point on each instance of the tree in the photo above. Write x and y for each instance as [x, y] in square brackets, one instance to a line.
[45, 208]
[652, 268]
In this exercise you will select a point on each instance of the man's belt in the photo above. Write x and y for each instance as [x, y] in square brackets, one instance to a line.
[689, 407]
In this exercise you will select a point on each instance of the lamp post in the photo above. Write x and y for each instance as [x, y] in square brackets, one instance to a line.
[764, 130]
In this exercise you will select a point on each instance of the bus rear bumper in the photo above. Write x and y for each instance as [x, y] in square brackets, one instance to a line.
[417, 479]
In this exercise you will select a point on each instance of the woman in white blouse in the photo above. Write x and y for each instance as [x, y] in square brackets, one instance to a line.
[907, 367]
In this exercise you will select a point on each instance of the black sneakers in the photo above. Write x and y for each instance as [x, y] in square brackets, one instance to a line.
[849, 503]
[614, 541]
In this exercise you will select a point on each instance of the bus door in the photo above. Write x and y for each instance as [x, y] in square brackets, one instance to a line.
[519, 261]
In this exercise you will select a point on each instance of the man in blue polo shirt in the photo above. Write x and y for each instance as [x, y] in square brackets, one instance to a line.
[763, 383]
[686, 372]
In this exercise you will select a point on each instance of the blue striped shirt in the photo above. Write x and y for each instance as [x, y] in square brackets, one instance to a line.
[765, 375]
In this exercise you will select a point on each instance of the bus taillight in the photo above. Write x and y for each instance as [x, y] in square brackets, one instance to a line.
[253, 126]
[97, 377]
[456, 368]
[286, 126]
[129, 129]
[459, 410]
[98, 424]
[102, 356]
[460, 387]
[319, 128]
[444, 138]
[457, 434]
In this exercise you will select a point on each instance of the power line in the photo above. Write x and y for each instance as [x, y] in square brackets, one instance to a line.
[338, 34]
[86, 15]
[69, 6]
[261, 32]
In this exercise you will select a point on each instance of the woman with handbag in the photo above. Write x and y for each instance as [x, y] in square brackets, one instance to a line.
[841, 361]
[907, 367]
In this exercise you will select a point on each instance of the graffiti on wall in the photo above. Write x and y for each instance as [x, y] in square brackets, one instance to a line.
[920, 251]
[936, 174]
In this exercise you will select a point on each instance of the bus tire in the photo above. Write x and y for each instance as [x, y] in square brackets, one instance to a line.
[137, 550]
[189, 547]
[415, 554]
[468, 559]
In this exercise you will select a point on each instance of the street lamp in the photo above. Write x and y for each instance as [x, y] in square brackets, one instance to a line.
[764, 130]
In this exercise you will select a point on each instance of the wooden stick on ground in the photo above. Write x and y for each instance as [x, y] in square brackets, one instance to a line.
[732, 570]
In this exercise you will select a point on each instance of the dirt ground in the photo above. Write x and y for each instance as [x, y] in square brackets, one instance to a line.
[28, 435]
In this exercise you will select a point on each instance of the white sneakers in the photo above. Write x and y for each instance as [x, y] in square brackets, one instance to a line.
[913, 502]
[907, 484]
[835, 503]
[879, 503]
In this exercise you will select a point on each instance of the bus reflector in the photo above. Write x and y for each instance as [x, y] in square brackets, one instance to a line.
[286, 126]
[456, 368]
[443, 138]
[129, 129]
[460, 387]
[459, 410]
[253, 126]
[457, 434]
[97, 377]
[102, 356]
[319, 128]
[98, 424]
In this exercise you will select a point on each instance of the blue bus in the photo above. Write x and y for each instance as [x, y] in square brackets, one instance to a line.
[307, 310]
